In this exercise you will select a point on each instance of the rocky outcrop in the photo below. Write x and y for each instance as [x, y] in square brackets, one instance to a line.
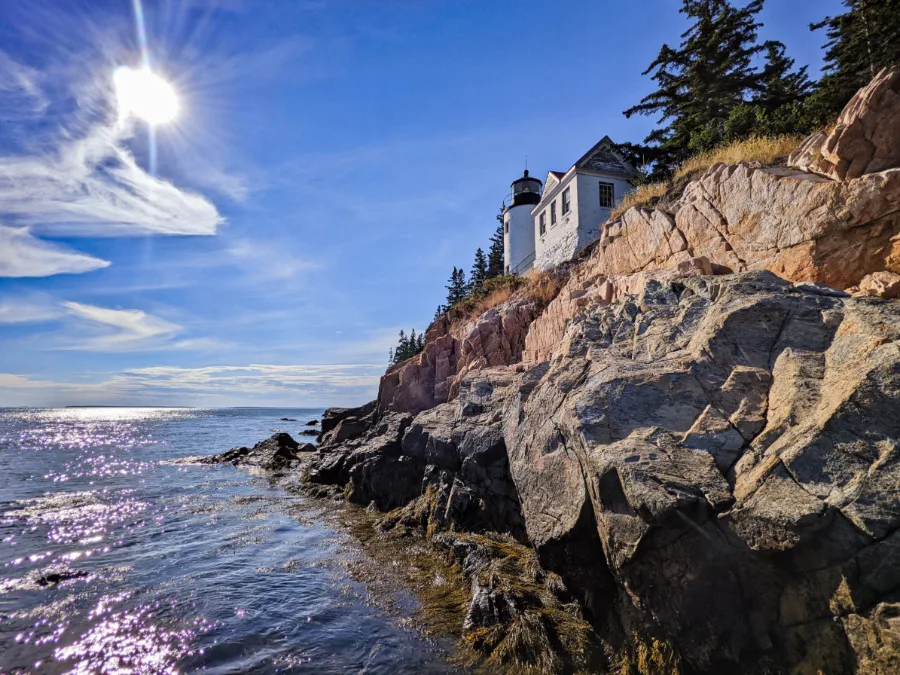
[495, 338]
[698, 436]
[879, 285]
[800, 225]
[279, 452]
[865, 138]
[722, 448]
[342, 424]
[453, 456]
[707, 461]
[462, 448]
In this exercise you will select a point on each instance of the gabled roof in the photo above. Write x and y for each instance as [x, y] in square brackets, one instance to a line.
[553, 179]
[604, 159]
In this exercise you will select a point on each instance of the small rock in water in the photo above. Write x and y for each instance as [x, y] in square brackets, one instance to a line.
[312, 423]
[287, 419]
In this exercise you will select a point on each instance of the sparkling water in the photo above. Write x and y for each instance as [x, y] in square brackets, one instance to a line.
[113, 559]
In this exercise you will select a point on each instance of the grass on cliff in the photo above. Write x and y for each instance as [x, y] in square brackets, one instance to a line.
[763, 149]
[541, 287]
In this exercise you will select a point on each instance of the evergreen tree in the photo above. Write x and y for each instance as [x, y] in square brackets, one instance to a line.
[861, 42]
[391, 355]
[479, 273]
[407, 347]
[495, 252]
[439, 312]
[456, 288]
[702, 81]
[778, 104]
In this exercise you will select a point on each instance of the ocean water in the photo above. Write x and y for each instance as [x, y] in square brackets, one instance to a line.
[115, 560]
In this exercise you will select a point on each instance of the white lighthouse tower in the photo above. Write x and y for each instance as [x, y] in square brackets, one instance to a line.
[518, 224]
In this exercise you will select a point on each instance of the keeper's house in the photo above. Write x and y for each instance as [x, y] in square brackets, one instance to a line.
[545, 227]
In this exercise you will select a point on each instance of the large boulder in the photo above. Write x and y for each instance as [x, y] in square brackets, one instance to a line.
[865, 138]
[716, 458]
[342, 424]
[276, 453]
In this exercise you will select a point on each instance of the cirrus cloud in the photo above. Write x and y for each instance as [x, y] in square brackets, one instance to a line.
[24, 255]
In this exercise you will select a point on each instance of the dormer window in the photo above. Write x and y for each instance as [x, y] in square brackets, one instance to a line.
[607, 195]
[553, 213]
[566, 202]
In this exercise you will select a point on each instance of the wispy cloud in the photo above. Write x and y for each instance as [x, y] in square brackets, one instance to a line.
[220, 385]
[20, 90]
[94, 187]
[76, 175]
[30, 310]
[24, 255]
[119, 329]
[252, 378]
[268, 261]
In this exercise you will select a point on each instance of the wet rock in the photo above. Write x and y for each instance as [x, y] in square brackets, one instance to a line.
[275, 453]
[312, 423]
[309, 432]
[488, 607]
[51, 578]
[287, 419]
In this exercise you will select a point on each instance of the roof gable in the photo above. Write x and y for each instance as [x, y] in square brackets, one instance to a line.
[553, 178]
[604, 159]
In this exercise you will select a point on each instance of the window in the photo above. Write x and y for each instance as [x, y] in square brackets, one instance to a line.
[566, 203]
[507, 270]
[543, 222]
[553, 213]
[607, 195]
[506, 226]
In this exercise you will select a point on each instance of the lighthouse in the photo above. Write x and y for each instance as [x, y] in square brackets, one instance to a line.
[518, 224]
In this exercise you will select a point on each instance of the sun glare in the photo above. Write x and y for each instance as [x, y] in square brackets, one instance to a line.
[143, 93]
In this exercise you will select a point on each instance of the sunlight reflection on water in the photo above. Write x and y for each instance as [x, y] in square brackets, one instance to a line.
[113, 560]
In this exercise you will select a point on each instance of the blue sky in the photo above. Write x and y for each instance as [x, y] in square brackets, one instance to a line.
[332, 161]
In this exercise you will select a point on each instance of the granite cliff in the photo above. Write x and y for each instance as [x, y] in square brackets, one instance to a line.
[698, 437]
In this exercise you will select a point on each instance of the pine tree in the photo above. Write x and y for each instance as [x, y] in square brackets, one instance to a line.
[439, 312]
[703, 80]
[778, 105]
[407, 347]
[402, 345]
[861, 42]
[456, 288]
[495, 252]
[479, 273]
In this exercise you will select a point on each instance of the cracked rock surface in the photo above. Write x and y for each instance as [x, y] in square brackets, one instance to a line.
[725, 450]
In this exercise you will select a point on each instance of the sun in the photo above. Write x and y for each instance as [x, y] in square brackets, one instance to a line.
[143, 93]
